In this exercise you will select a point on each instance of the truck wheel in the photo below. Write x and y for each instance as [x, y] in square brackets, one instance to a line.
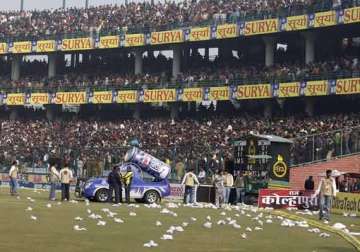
[102, 195]
[151, 197]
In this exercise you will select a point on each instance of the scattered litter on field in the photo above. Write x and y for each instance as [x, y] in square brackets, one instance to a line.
[29, 209]
[78, 228]
[207, 225]
[324, 235]
[48, 205]
[78, 218]
[167, 237]
[158, 224]
[132, 214]
[33, 217]
[101, 223]
[150, 244]
[118, 220]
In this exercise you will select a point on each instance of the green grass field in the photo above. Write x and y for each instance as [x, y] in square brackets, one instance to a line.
[53, 229]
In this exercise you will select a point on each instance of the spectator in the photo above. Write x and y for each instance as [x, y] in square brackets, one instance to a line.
[190, 181]
[228, 184]
[13, 174]
[218, 181]
[309, 184]
[327, 191]
[54, 180]
[66, 176]
[114, 181]
[202, 176]
[240, 187]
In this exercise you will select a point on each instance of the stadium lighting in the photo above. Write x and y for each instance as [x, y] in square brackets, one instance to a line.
[86, 4]
[64, 4]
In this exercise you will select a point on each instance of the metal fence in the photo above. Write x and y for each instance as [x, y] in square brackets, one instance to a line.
[254, 79]
[235, 17]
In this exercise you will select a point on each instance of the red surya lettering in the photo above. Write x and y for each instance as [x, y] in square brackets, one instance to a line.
[253, 91]
[351, 15]
[165, 37]
[264, 26]
[73, 44]
[159, 95]
[348, 86]
[70, 98]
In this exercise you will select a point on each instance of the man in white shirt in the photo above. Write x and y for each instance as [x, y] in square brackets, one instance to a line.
[66, 176]
[327, 191]
[13, 174]
[54, 178]
[189, 181]
[228, 183]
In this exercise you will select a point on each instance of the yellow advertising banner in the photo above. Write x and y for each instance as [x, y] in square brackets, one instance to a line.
[348, 86]
[352, 15]
[290, 89]
[102, 97]
[45, 46]
[159, 95]
[261, 27]
[192, 94]
[327, 18]
[219, 93]
[259, 91]
[109, 42]
[346, 203]
[76, 44]
[167, 37]
[134, 40]
[296, 23]
[226, 31]
[129, 96]
[22, 47]
[70, 98]
[316, 88]
[199, 33]
[39, 98]
[15, 99]
[3, 48]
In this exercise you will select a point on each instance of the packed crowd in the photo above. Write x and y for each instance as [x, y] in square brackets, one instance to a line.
[96, 75]
[147, 15]
[91, 139]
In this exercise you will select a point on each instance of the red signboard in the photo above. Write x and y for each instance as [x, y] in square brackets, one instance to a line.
[283, 198]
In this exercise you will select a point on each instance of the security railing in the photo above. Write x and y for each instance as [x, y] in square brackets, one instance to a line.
[235, 17]
[253, 79]
[325, 146]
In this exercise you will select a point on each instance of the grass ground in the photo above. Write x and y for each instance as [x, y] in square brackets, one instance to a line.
[53, 230]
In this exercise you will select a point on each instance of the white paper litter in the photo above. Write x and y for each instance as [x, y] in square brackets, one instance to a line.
[118, 220]
[78, 218]
[158, 223]
[207, 225]
[132, 214]
[33, 217]
[101, 223]
[324, 235]
[78, 228]
[150, 244]
[167, 237]
[29, 209]
[243, 235]
[258, 228]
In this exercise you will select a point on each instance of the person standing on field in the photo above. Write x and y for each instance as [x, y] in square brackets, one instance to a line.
[13, 174]
[327, 191]
[189, 181]
[218, 181]
[228, 183]
[127, 182]
[114, 181]
[54, 180]
[66, 176]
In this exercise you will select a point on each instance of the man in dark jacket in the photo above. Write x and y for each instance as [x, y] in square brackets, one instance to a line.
[309, 184]
[114, 181]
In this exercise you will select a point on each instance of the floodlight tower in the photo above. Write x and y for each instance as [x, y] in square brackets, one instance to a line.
[21, 5]
[64, 4]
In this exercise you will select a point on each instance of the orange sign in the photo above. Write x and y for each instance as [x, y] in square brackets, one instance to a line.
[167, 37]
[261, 27]
[45, 46]
[102, 97]
[226, 31]
[348, 86]
[160, 95]
[76, 44]
[259, 91]
[127, 96]
[109, 42]
[70, 98]
[352, 15]
[200, 34]
[39, 98]
[15, 99]
[134, 40]
[3, 48]
[219, 93]
[22, 47]
[291, 89]
[296, 23]
[316, 88]
[326, 18]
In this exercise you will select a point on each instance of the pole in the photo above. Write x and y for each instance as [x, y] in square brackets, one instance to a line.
[86, 4]
[21, 5]
[64, 4]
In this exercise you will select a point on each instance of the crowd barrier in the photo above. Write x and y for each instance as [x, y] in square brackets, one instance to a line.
[197, 94]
